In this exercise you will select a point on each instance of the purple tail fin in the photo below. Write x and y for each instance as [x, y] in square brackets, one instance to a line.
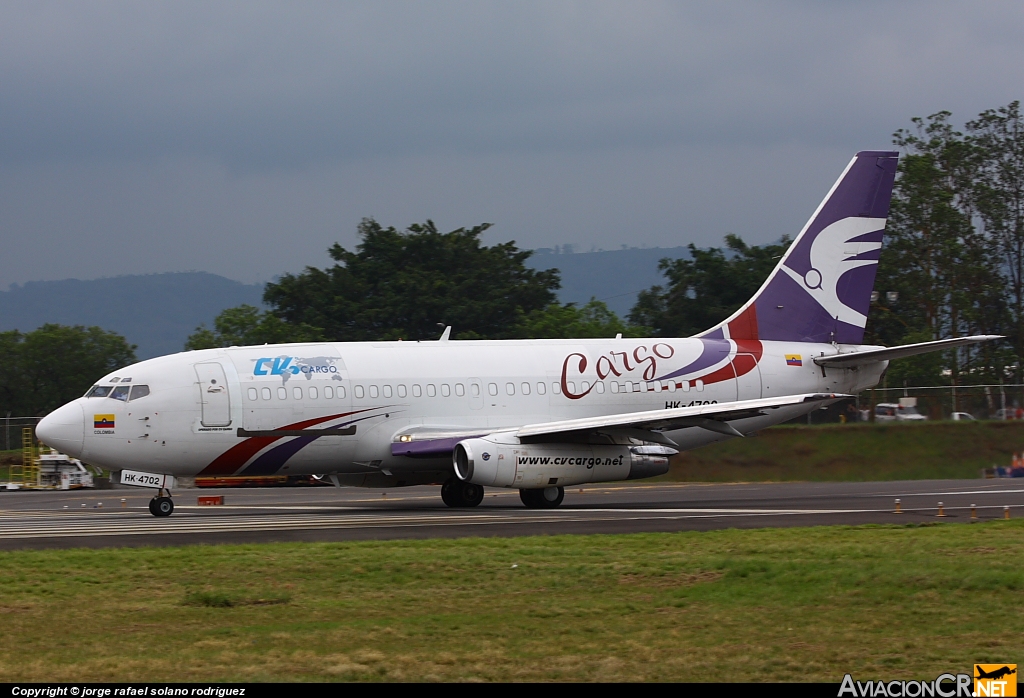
[821, 289]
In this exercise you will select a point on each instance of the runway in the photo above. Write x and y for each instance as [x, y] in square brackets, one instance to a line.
[92, 518]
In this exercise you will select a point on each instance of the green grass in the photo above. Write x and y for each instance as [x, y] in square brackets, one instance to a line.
[864, 452]
[774, 604]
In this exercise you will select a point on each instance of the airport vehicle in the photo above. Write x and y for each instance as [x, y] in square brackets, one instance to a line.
[895, 412]
[963, 417]
[535, 415]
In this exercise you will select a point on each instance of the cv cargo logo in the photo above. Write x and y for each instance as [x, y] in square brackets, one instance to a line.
[995, 680]
[292, 366]
[103, 422]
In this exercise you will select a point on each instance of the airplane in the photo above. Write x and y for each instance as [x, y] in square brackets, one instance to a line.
[534, 415]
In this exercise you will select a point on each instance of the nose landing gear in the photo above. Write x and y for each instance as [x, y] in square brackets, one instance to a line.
[161, 505]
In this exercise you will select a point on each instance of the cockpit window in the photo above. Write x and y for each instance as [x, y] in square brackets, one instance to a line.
[139, 391]
[120, 393]
[98, 391]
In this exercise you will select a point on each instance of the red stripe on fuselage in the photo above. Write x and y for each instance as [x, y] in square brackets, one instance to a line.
[238, 455]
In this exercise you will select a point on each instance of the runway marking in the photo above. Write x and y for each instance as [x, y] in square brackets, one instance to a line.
[140, 524]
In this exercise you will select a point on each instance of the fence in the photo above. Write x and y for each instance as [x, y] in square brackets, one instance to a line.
[936, 402]
[11, 434]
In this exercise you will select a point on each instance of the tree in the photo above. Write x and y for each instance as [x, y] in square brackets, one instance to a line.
[706, 288]
[998, 139]
[55, 364]
[404, 284]
[247, 325]
[568, 321]
[934, 256]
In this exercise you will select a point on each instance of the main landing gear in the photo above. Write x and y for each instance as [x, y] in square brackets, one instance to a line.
[545, 498]
[161, 505]
[457, 494]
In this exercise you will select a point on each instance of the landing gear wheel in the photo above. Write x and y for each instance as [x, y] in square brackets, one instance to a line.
[544, 498]
[446, 492]
[458, 494]
[161, 506]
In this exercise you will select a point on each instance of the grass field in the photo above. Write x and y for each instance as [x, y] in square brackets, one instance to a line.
[782, 604]
[866, 452]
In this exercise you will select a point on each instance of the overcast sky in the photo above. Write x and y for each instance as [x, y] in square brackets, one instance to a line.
[243, 138]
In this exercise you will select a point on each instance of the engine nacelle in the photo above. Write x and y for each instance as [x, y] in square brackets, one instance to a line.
[500, 460]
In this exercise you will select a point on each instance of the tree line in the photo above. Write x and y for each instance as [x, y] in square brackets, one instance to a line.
[952, 264]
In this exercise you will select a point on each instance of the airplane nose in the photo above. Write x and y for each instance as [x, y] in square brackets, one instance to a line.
[64, 429]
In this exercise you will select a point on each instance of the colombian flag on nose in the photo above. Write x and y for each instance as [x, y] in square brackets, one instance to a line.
[103, 421]
[794, 360]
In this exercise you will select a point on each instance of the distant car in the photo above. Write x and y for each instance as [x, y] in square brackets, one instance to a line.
[1008, 413]
[893, 412]
[963, 417]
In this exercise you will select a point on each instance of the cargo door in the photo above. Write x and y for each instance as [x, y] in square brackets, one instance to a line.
[748, 377]
[213, 395]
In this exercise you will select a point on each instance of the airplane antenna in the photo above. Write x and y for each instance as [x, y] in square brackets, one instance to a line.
[446, 334]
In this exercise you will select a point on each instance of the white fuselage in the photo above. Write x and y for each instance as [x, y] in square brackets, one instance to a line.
[189, 422]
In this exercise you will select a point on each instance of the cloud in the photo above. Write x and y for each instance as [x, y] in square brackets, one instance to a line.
[238, 124]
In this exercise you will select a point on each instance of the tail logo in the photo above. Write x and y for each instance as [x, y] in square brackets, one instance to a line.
[834, 252]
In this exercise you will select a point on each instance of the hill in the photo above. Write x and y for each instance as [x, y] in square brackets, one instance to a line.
[612, 276]
[159, 311]
[155, 311]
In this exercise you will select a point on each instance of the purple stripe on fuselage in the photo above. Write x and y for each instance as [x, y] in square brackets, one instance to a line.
[271, 461]
[713, 351]
[434, 448]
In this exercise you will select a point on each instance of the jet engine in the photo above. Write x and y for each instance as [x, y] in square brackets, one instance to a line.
[500, 460]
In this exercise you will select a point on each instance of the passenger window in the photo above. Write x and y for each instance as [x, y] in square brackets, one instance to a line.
[431, 390]
[700, 385]
[253, 393]
[341, 392]
[282, 394]
[510, 388]
[526, 388]
[358, 390]
[556, 388]
[584, 385]
[328, 392]
[685, 385]
[445, 390]
[98, 391]
[541, 388]
[374, 391]
[474, 388]
[599, 387]
[401, 390]
[571, 387]
[492, 388]
[614, 387]
[120, 393]
[387, 391]
[417, 391]
[297, 393]
[460, 389]
[312, 392]
[265, 393]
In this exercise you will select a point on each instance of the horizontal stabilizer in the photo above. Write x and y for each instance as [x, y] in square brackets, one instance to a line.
[870, 356]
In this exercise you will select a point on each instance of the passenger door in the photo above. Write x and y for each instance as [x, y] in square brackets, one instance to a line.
[213, 395]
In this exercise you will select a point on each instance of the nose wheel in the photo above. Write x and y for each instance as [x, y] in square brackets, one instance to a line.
[161, 504]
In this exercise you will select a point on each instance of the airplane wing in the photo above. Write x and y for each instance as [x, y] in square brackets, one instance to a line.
[431, 442]
[862, 358]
